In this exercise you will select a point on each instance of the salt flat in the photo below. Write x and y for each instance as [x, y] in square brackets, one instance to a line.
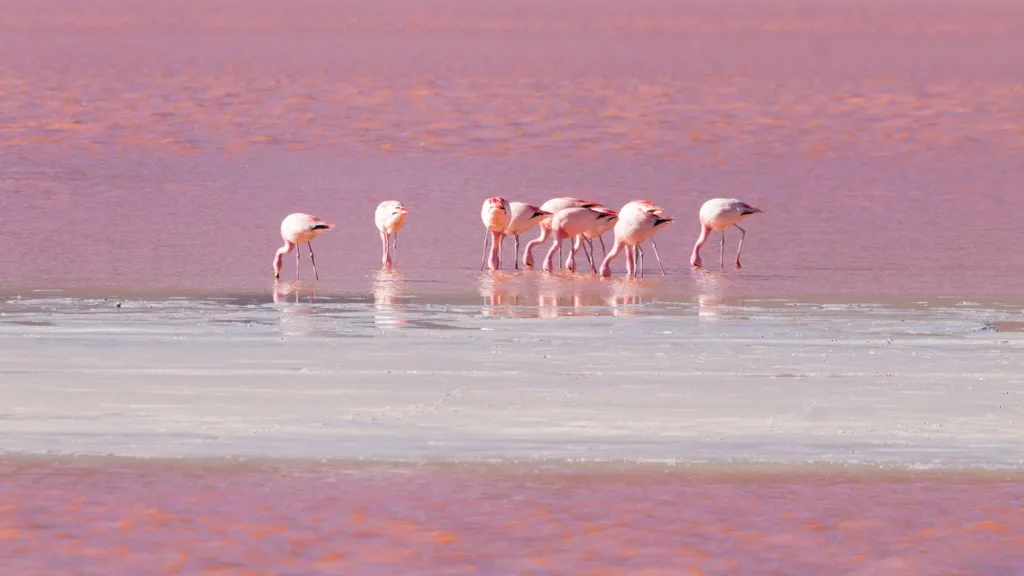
[464, 379]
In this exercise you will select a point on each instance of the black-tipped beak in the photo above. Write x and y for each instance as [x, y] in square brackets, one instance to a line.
[277, 275]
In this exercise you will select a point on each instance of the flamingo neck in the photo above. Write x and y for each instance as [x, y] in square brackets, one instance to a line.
[288, 247]
[705, 231]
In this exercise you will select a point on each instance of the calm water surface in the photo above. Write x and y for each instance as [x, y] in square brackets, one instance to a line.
[158, 146]
[165, 518]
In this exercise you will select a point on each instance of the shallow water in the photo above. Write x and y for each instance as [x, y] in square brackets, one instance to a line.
[114, 517]
[160, 147]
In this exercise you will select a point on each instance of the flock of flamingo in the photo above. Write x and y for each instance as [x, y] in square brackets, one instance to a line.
[559, 219]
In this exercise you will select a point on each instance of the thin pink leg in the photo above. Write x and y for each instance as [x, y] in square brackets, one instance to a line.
[483, 260]
[385, 257]
[655, 245]
[630, 263]
[312, 259]
[743, 234]
[516, 261]
[298, 252]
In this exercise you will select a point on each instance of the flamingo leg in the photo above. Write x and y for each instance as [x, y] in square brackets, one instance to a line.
[604, 251]
[640, 260]
[517, 252]
[630, 263]
[487, 234]
[721, 260]
[312, 259]
[655, 245]
[384, 257]
[743, 234]
[501, 242]
[394, 247]
[590, 255]
[298, 252]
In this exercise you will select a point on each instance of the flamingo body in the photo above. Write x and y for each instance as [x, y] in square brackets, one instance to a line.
[572, 223]
[637, 223]
[389, 218]
[298, 229]
[552, 206]
[523, 217]
[719, 214]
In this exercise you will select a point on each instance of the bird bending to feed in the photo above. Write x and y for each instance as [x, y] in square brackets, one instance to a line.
[638, 251]
[719, 214]
[636, 224]
[390, 218]
[298, 229]
[524, 217]
[572, 223]
[552, 206]
[496, 215]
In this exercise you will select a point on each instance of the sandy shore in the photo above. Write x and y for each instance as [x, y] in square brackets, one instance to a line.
[673, 382]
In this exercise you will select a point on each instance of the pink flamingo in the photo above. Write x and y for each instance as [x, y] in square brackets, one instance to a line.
[638, 251]
[572, 223]
[635, 225]
[496, 216]
[600, 228]
[719, 214]
[390, 218]
[524, 217]
[298, 229]
[552, 206]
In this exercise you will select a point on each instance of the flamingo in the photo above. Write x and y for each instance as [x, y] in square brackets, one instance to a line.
[524, 217]
[635, 225]
[390, 218]
[496, 216]
[603, 226]
[719, 214]
[552, 206]
[638, 251]
[572, 223]
[298, 229]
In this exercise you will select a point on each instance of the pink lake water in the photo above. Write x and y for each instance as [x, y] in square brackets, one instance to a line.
[264, 518]
[149, 150]
[157, 146]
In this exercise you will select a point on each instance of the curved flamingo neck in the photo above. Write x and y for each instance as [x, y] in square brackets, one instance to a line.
[705, 231]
